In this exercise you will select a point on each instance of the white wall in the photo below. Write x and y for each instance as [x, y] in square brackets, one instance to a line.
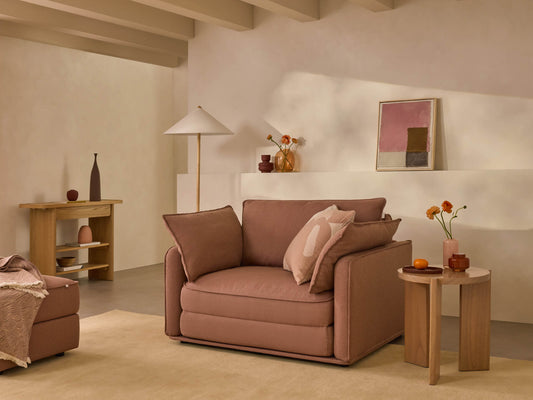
[323, 81]
[57, 107]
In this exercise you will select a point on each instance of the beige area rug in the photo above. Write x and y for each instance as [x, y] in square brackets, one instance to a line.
[125, 355]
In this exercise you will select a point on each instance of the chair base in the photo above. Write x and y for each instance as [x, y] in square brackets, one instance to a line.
[328, 360]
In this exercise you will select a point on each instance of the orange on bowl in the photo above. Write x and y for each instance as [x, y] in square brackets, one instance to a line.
[420, 263]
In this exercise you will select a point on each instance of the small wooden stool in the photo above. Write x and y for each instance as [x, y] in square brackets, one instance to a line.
[423, 295]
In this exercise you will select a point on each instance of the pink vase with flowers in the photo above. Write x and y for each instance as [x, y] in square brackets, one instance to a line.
[450, 245]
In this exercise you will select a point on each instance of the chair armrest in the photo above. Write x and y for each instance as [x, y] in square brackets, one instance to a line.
[369, 300]
[174, 281]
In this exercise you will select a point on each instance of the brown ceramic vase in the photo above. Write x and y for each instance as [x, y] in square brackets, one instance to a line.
[458, 262]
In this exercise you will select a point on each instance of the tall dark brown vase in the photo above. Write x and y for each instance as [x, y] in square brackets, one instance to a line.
[94, 189]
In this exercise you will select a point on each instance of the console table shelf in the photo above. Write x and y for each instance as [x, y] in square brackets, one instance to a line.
[63, 248]
[43, 248]
[85, 267]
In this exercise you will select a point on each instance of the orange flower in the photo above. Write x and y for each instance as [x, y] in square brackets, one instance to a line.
[435, 212]
[447, 206]
[294, 140]
[286, 139]
[432, 211]
[269, 137]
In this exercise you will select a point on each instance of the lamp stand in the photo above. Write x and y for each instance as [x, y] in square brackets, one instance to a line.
[198, 172]
[198, 122]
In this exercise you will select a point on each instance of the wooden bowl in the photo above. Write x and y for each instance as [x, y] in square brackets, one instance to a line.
[66, 261]
[428, 270]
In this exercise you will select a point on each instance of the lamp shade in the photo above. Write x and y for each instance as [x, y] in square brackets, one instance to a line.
[196, 122]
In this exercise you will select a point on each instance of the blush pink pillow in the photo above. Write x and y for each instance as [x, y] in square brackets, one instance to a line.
[352, 238]
[302, 253]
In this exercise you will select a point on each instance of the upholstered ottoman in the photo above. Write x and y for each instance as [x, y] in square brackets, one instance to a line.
[56, 328]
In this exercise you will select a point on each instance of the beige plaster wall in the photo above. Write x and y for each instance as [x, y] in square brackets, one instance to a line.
[57, 107]
[323, 81]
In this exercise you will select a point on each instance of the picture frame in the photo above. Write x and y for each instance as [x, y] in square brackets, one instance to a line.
[406, 135]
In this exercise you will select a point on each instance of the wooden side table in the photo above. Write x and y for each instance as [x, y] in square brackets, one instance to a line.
[422, 335]
[43, 248]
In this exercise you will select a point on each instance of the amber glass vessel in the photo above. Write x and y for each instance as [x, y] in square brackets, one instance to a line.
[284, 161]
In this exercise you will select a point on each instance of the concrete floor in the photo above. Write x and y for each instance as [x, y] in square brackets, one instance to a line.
[142, 290]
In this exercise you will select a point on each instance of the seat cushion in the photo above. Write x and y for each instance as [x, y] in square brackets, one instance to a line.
[266, 294]
[63, 298]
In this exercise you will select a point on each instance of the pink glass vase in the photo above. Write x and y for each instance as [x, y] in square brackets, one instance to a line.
[449, 247]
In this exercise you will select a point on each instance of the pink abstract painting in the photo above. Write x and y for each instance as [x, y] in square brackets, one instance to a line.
[406, 134]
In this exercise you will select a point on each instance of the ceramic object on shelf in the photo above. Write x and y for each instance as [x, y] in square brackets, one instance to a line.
[459, 262]
[449, 247]
[94, 189]
[66, 261]
[284, 161]
[72, 195]
[85, 235]
[266, 165]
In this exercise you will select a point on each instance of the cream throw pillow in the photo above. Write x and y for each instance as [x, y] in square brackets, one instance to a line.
[302, 253]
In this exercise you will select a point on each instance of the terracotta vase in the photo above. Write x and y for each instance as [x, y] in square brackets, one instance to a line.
[449, 247]
[94, 189]
[284, 161]
[459, 262]
[85, 235]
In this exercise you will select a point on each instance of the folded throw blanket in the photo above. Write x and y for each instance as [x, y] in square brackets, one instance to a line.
[22, 290]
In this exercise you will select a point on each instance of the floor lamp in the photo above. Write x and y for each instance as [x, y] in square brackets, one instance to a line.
[198, 122]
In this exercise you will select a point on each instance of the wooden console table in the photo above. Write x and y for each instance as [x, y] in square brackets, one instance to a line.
[43, 248]
[423, 314]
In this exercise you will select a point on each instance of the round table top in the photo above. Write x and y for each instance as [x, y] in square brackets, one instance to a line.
[448, 277]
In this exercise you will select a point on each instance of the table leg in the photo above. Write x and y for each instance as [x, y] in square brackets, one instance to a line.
[102, 228]
[43, 240]
[435, 300]
[416, 334]
[474, 338]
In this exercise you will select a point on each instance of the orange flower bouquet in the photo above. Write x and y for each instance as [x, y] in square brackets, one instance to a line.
[435, 212]
[284, 159]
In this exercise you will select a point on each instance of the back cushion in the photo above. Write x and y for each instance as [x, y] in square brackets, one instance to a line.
[208, 241]
[269, 226]
[352, 238]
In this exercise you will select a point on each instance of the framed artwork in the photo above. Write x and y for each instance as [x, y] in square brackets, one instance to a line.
[406, 135]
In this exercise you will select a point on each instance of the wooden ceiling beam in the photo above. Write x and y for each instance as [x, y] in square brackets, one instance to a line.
[300, 10]
[127, 13]
[375, 5]
[32, 33]
[233, 14]
[88, 28]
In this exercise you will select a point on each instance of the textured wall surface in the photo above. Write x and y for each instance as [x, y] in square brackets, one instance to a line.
[59, 106]
[323, 81]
